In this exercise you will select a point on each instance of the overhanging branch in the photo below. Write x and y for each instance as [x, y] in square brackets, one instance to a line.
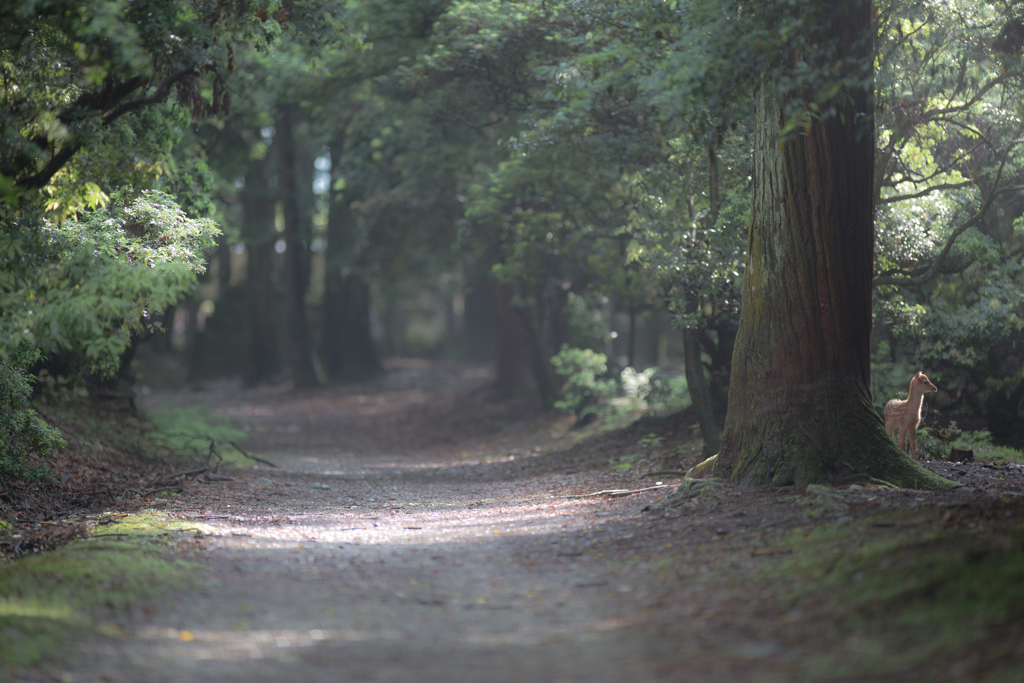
[109, 100]
[934, 268]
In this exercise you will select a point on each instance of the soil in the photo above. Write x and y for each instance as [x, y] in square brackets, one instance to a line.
[417, 528]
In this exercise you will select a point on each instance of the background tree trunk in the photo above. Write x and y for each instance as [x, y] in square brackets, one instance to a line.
[479, 319]
[514, 374]
[700, 394]
[349, 353]
[696, 382]
[347, 350]
[301, 358]
[799, 403]
[262, 349]
[541, 351]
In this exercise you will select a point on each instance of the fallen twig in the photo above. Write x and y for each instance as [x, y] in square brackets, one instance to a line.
[616, 493]
[186, 473]
[212, 449]
[770, 551]
[250, 456]
[779, 522]
[162, 488]
[666, 473]
[868, 479]
[106, 535]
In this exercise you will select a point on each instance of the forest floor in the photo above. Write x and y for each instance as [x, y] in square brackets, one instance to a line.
[417, 529]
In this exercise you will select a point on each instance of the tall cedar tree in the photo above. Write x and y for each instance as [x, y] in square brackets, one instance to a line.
[799, 404]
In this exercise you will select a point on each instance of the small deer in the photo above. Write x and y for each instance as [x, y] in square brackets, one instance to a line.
[906, 415]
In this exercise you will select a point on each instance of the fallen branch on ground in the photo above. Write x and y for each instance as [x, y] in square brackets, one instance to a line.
[212, 450]
[615, 493]
[250, 456]
[185, 473]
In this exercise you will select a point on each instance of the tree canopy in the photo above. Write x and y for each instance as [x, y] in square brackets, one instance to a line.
[566, 164]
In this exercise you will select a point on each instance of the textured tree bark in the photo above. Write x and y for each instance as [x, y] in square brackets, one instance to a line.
[296, 236]
[262, 349]
[799, 403]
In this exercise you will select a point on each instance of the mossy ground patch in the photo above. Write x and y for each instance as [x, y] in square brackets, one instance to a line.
[85, 586]
[914, 589]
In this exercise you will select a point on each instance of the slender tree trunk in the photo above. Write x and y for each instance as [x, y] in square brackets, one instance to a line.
[700, 394]
[799, 404]
[540, 355]
[720, 352]
[262, 350]
[631, 340]
[296, 235]
[514, 374]
[479, 319]
[696, 382]
[713, 185]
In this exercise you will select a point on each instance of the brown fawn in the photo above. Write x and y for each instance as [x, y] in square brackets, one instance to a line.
[906, 415]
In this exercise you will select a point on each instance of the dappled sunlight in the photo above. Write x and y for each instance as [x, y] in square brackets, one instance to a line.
[36, 608]
[387, 527]
[250, 644]
[230, 645]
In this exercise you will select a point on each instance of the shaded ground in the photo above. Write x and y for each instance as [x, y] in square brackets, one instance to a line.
[418, 530]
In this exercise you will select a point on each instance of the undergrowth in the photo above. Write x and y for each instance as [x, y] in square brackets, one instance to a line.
[193, 431]
[938, 443]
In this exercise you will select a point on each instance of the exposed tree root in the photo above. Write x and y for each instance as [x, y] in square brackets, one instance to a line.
[900, 472]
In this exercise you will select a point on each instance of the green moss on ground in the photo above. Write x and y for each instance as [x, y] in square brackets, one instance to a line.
[81, 588]
[924, 590]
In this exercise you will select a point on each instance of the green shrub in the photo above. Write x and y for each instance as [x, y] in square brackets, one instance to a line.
[22, 432]
[586, 393]
[667, 393]
[83, 287]
[589, 393]
[938, 442]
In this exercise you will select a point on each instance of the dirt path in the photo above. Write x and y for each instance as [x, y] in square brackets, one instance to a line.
[418, 531]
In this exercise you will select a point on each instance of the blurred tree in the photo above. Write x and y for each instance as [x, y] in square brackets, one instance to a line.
[348, 350]
[262, 352]
[295, 181]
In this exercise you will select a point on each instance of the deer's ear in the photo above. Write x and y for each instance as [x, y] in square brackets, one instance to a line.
[918, 374]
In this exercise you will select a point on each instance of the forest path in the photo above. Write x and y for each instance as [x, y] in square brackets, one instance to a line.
[399, 541]
[417, 530]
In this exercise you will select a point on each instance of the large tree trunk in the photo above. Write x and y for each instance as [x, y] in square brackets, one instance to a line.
[799, 403]
[262, 350]
[301, 357]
